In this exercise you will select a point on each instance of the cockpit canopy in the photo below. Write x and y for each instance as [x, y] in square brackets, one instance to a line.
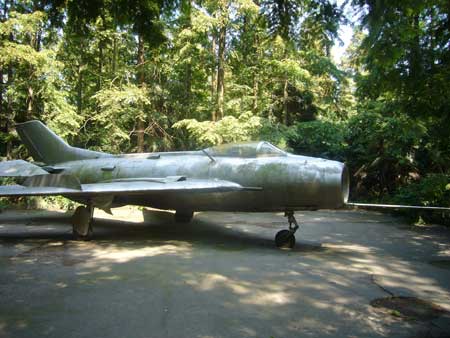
[246, 150]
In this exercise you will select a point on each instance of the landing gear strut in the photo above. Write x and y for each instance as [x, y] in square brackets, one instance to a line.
[183, 216]
[286, 238]
[82, 223]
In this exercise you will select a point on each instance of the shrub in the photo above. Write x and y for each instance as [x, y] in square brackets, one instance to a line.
[318, 138]
[381, 152]
[432, 190]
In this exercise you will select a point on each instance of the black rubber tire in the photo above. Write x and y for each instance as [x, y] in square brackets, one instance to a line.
[285, 239]
[183, 216]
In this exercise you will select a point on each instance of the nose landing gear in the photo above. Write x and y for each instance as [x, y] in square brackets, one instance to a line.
[286, 238]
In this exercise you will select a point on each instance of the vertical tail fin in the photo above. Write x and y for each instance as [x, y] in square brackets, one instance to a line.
[47, 147]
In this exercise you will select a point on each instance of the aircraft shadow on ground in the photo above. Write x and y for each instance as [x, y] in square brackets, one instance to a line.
[157, 227]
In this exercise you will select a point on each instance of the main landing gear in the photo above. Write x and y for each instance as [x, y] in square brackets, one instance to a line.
[286, 238]
[183, 216]
[82, 223]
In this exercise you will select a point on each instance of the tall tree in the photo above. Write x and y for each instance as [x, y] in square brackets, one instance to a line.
[407, 66]
[283, 17]
[141, 16]
[223, 18]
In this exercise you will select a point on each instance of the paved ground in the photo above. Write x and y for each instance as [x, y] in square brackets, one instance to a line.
[219, 276]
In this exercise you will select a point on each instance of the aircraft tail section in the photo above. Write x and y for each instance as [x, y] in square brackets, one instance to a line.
[47, 147]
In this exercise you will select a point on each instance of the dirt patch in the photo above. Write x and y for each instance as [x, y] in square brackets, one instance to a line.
[409, 307]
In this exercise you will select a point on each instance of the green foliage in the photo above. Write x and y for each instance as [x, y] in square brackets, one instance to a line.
[228, 130]
[38, 79]
[118, 109]
[318, 138]
[432, 190]
[59, 202]
[139, 15]
[275, 133]
[382, 150]
[401, 60]
[5, 202]
[406, 51]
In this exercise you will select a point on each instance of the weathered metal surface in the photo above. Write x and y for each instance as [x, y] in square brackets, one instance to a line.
[66, 185]
[58, 180]
[215, 178]
[19, 168]
[47, 147]
[20, 190]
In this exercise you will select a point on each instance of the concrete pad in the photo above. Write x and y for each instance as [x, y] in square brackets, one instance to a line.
[219, 276]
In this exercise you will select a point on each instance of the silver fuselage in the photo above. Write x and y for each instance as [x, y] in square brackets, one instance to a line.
[288, 182]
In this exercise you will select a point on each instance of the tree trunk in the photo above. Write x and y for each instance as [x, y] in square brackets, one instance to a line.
[258, 56]
[140, 130]
[270, 113]
[2, 84]
[188, 83]
[114, 58]
[35, 43]
[30, 99]
[80, 91]
[285, 103]
[415, 61]
[187, 10]
[213, 79]
[255, 94]
[100, 66]
[9, 112]
[2, 119]
[38, 41]
[221, 72]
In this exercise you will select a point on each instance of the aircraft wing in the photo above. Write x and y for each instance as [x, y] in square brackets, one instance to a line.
[68, 185]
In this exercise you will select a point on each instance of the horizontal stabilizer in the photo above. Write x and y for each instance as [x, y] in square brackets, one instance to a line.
[19, 190]
[20, 168]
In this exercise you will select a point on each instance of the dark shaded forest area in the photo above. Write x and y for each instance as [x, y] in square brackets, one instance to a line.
[154, 75]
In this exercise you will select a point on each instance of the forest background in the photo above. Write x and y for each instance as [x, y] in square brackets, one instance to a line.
[155, 75]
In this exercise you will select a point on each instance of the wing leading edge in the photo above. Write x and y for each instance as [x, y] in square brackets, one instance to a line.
[67, 185]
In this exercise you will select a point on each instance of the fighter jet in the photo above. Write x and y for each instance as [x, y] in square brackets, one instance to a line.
[249, 177]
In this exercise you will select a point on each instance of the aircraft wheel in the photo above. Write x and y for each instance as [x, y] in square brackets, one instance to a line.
[81, 224]
[285, 239]
[183, 216]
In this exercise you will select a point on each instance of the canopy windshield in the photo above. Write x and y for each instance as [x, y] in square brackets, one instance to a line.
[247, 150]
